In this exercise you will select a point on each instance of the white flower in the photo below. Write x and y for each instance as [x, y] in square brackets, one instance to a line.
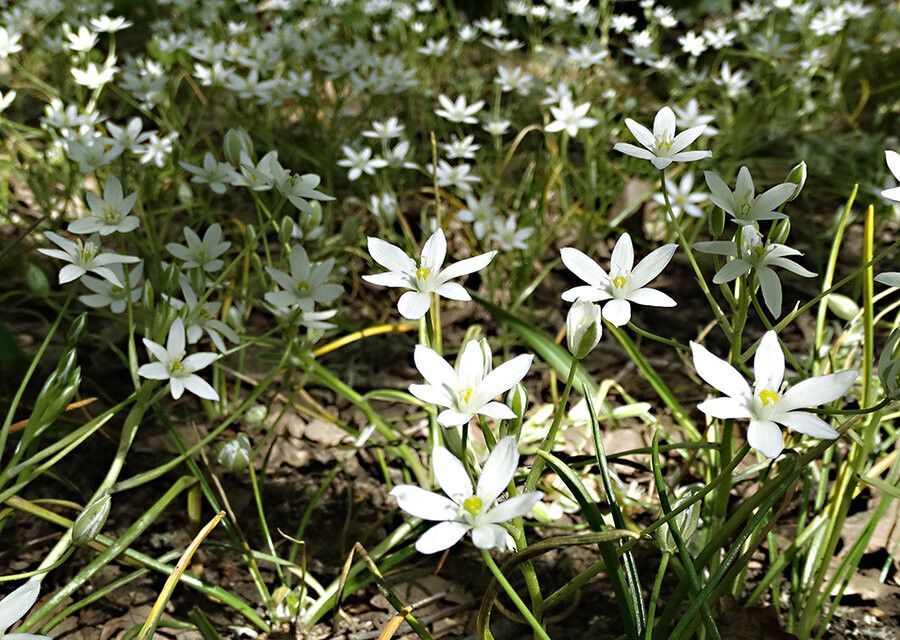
[306, 285]
[434, 48]
[742, 204]
[82, 40]
[9, 43]
[480, 212]
[459, 111]
[690, 116]
[755, 254]
[768, 404]
[94, 77]
[622, 22]
[424, 278]
[625, 284]
[360, 162]
[214, 173]
[173, 364]
[6, 99]
[460, 149]
[459, 176]
[662, 146]
[583, 328]
[464, 509]
[156, 149]
[14, 606]
[569, 117]
[202, 318]
[683, 198]
[84, 256]
[130, 137]
[893, 163]
[692, 44]
[468, 389]
[110, 214]
[384, 131]
[107, 24]
[106, 294]
[507, 234]
[201, 254]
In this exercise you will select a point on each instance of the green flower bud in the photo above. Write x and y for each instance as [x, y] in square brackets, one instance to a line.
[517, 400]
[687, 522]
[583, 328]
[716, 222]
[90, 521]
[255, 415]
[76, 328]
[238, 143]
[286, 230]
[37, 280]
[314, 218]
[235, 454]
[797, 176]
[843, 307]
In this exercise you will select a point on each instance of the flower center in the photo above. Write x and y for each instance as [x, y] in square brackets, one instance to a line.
[619, 282]
[466, 394]
[302, 286]
[472, 506]
[664, 141]
[177, 366]
[422, 272]
[768, 397]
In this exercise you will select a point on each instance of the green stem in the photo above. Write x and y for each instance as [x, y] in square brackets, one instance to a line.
[654, 594]
[547, 445]
[526, 613]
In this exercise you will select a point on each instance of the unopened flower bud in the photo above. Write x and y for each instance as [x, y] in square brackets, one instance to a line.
[90, 521]
[76, 328]
[716, 222]
[843, 307]
[255, 415]
[687, 522]
[37, 280]
[517, 400]
[797, 176]
[583, 329]
[235, 454]
[238, 143]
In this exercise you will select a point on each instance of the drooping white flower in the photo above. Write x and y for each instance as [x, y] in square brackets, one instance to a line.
[468, 389]
[173, 364]
[465, 508]
[661, 146]
[893, 163]
[768, 403]
[106, 294]
[570, 118]
[214, 173]
[14, 607]
[624, 284]
[109, 214]
[201, 254]
[84, 256]
[757, 255]
[425, 277]
[583, 328]
[742, 204]
[306, 285]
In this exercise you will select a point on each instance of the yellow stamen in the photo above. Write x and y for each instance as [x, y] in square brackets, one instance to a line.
[768, 397]
[472, 506]
[466, 394]
[422, 272]
[619, 282]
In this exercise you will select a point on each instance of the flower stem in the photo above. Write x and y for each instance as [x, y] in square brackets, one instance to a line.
[654, 594]
[498, 575]
[547, 444]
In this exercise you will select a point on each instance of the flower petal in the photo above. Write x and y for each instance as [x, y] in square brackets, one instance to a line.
[726, 408]
[651, 298]
[423, 504]
[451, 475]
[498, 470]
[622, 258]
[467, 266]
[14, 606]
[814, 392]
[768, 363]
[765, 437]
[490, 536]
[413, 305]
[652, 265]
[807, 423]
[505, 377]
[617, 312]
[515, 507]
[441, 536]
[436, 371]
[582, 266]
[718, 374]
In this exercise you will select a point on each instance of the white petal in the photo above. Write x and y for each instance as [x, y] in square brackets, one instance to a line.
[431, 394]
[889, 278]
[814, 392]
[453, 291]
[388, 279]
[514, 507]
[618, 312]
[765, 437]
[490, 536]
[423, 504]
[664, 123]
[497, 411]
[583, 267]
[718, 374]
[413, 305]
[390, 256]
[622, 258]
[175, 341]
[504, 377]
[199, 387]
[641, 133]
[498, 471]
[768, 363]
[651, 298]
[451, 475]
[435, 250]
[441, 536]
[436, 371]
[586, 293]
[467, 266]
[154, 371]
[771, 289]
[652, 265]
[14, 606]
[725, 408]
[685, 138]
[633, 151]
[808, 424]
[452, 418]
[731, 271]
